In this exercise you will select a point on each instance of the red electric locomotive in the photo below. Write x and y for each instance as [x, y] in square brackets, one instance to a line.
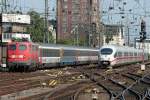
[22, 55]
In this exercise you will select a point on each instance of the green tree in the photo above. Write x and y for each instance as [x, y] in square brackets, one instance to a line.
[109, 37]
[67, 42]
[83, 42]
[36, 29]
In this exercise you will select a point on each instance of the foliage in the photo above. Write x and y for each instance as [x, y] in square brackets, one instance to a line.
[108, 39]
[81, 42]
[36, 29]
[54, 23]
[20, 39]
[67, 42]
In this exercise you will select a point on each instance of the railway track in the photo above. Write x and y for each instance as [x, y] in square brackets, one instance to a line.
[18, 82]
[124, 83]
[71, 91]
[74, 91]
[139, 88]
[128, 87]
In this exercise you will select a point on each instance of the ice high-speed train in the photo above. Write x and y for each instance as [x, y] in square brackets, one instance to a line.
[113, 55]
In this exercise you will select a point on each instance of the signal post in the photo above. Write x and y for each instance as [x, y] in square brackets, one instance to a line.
[142, 39]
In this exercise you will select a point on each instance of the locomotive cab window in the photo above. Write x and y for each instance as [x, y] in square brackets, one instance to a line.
[12, 47]
[106, 51]
[22, 47]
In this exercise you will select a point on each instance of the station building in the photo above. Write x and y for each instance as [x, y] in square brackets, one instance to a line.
[13, 24]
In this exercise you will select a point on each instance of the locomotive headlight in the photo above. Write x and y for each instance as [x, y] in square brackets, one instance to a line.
[20, 56]
[13, 56]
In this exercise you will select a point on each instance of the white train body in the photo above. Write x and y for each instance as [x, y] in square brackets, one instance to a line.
[113, 55]
[58, 55]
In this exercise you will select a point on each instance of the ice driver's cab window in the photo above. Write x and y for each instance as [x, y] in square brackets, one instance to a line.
[106, 51]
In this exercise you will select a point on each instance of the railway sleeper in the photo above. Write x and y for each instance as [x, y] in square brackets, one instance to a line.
[117, 83]
[146, 96]
[145, 81]
[132, 92]
[136, 91]
[135, 75]
[147, 78]
[129, 89]
[131, 77]
[114, 90]
[114, 82]
[112, 95]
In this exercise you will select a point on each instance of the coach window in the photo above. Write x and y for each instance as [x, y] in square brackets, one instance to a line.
[92, 53]
[89, 53]
[138, 54]
[50, 52]
[115, 55]
[126, 54]
[130, 54]
[141, 54]
[69, 52]
[119, 54]
[135, 54]
[22, 47]
[54, 53]
[84, 53]
[43, 52]
[12, 47]
[46, 52]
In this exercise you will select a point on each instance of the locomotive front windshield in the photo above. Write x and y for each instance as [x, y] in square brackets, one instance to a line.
[106, 51]
[22, 47]
[12, 47]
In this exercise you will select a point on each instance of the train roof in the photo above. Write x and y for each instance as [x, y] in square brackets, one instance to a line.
[21, 42]
[117, 47]
[58, 46]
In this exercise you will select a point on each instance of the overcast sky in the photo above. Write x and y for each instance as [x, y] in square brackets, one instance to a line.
[134, 11]
[37, 5]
